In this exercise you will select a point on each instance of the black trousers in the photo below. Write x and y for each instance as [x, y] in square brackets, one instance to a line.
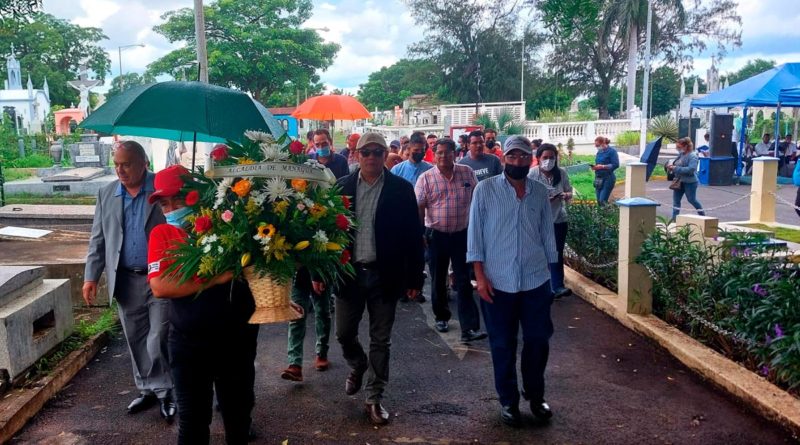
[221, 359]
[444, 249]
[366, 291]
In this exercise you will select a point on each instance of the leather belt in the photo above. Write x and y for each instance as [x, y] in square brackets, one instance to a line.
[135, 270]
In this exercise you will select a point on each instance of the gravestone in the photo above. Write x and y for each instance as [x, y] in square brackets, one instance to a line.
[35, 316]
[90, 152]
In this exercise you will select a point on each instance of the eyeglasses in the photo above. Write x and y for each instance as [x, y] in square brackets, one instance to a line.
[367, 153]
[514, 157]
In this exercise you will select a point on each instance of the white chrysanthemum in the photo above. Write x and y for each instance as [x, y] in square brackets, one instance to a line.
[273, 152]
[222, 191]
[258, 197]
[277, 189]
[259, 136]
[309, 202]
[208, 240]
[207, 248]
[321, 237]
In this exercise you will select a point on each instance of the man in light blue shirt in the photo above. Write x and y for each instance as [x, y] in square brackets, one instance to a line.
[510, 243]
[414, 166]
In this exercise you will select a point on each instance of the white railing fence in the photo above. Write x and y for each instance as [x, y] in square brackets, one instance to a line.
[553, 132]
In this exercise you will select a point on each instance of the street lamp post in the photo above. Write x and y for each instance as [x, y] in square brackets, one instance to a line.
[119, 52]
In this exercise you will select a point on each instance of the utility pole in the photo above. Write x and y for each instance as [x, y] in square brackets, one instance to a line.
[646, 86]
[200, 38]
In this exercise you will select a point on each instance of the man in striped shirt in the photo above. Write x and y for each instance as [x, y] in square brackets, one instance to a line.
[510, 243]
[444, 194]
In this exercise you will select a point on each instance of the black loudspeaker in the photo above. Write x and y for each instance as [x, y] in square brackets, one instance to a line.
[720, 171]
[683, 128]
[720, 135]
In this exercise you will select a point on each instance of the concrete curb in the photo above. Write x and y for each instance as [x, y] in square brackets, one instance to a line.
[760, 395]
[16, 411]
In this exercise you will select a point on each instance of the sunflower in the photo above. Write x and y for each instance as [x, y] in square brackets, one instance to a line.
[265, 231]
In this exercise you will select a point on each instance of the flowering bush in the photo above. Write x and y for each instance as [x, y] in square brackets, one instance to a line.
[744, 287]
[256, 209]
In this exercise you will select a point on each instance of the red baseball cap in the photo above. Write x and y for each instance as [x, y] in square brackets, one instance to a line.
[168, 182]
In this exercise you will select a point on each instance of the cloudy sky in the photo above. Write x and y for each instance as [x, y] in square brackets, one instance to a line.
[376, 33]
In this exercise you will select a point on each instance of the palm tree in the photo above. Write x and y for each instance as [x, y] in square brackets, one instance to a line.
[630, 18]
[505, 124]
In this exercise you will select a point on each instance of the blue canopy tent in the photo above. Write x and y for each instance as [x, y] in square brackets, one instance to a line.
[761, 90]
[790, 96]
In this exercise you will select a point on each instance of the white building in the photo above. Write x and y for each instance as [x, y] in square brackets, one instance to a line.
[30, 106]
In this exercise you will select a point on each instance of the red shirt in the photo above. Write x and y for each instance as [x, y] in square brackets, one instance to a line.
[428, 156]
[163, 237]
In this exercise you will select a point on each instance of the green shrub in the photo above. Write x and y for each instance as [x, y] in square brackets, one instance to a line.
[34, 160]
[594, 236]
[663, 126]
[744, 288]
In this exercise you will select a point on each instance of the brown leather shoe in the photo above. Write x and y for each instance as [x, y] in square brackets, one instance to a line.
[376, 413]
[293, 373]
[353, 383]
[321, 364]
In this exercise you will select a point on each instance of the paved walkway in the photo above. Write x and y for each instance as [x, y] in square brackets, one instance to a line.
[728, 203]
[606, 385]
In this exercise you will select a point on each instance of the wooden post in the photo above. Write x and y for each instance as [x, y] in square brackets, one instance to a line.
[765, 180]
[637, 218]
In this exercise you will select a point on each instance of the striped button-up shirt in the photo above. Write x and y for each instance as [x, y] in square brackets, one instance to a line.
[512, 237]
[446, 201]
[366, 206]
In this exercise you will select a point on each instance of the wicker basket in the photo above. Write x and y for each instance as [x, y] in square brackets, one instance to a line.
[272, 299]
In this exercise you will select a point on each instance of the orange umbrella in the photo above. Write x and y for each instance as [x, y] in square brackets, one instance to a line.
[331, 107]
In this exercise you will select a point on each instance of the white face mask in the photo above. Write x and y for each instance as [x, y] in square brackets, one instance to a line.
[547, 164]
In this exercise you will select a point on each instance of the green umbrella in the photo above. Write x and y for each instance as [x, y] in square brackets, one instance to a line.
[183, 111]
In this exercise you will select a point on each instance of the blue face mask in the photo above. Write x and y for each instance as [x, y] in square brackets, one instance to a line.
[324, 152]
[178, 217]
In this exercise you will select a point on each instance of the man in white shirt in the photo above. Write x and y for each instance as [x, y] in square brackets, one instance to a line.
[764, 148]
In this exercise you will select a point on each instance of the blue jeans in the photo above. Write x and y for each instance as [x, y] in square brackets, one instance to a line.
[690, 189]
[503, 317]
[557, 269]
[604, 192]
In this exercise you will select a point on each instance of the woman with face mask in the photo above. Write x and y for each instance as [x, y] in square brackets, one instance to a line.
[559, 190]
[685, 169]
[605, 162]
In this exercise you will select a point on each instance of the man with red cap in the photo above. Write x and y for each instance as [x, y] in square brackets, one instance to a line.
[212, 347]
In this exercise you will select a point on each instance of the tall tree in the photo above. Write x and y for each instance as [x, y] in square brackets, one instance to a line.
[750, 69]
[473, 42]
[591, 41]
[128, 80]
[19, 8]
[52, 48]
[390, 86]
[253, 45]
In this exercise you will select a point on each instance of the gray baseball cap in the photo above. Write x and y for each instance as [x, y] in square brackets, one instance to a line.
[517, 142]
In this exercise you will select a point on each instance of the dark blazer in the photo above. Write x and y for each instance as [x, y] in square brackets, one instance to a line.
[398, 233]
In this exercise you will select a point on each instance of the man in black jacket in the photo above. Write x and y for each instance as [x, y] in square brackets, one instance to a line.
[388, 259]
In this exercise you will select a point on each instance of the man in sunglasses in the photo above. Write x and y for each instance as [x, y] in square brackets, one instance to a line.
[387, 254]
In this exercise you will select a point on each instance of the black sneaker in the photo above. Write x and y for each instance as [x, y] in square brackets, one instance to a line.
[442, 326]
[473, 335]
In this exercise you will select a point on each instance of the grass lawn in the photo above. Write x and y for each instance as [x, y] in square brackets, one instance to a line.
[583, 183]
[792, 235]
[27, 198]
[16, 174]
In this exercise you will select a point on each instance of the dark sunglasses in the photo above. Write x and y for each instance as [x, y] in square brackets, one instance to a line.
[365, 153]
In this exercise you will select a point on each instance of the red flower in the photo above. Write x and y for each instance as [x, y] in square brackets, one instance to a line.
[296, 147]
[342, 222]
[192, 198]
[202, 224]
[346, 202]
[345, 258]
[219, 153]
